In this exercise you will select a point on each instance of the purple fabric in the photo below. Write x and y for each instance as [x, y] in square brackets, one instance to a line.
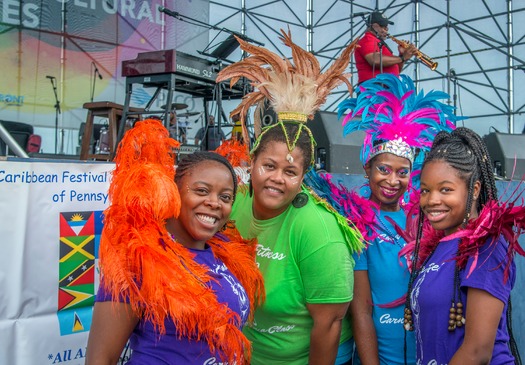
[149, 348]
[432, 295]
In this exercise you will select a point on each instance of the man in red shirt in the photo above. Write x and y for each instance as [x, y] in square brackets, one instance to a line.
[374, 56]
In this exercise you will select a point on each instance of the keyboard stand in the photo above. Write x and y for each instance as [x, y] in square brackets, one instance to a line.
[160, 81]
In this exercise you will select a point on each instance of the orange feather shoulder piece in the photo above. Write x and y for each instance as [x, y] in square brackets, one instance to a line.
[156, 275]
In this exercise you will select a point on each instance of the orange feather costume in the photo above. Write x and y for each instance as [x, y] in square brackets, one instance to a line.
[141, 263]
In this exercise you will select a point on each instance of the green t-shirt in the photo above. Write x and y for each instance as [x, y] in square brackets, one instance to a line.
[304, 258]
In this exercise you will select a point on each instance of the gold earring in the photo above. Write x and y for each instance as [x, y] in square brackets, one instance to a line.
[366, 176]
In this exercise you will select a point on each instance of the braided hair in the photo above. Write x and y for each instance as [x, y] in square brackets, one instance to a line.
[191, 161]
[282, 132]
[465, 151]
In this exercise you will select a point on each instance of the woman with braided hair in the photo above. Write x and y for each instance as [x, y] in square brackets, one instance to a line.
[458, 301]
[400, 125]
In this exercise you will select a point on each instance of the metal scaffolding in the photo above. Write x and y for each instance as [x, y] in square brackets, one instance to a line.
[479, 45]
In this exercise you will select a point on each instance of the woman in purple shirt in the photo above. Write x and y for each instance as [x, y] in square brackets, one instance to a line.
[459, 294]
[177, 282]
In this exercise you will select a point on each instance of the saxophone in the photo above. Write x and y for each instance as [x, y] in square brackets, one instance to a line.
[426, 60]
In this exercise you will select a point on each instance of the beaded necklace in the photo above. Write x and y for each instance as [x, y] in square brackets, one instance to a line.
[393, 235]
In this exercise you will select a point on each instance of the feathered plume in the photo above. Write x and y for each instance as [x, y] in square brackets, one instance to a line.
[157, 276]
[299, 87]
[391, 109]
[235, 152]
[506, 218]
[359, 212]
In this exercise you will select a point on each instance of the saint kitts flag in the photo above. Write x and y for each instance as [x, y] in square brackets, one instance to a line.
[79, 242]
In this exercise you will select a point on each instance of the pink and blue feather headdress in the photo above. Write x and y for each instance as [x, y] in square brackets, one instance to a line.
[396, 119]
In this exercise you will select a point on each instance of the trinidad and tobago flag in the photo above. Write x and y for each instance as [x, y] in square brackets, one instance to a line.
[79, 242]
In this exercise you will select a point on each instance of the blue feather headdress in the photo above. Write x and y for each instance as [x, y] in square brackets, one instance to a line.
[396, 119]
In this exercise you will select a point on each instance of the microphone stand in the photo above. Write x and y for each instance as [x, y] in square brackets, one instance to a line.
[181, 17]
[93, 80]
[381, 44]
[57, 111]
[95, 73]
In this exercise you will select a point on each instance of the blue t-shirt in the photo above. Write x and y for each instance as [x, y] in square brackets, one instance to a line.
[388, 276]
[432, 295]
[150, 348]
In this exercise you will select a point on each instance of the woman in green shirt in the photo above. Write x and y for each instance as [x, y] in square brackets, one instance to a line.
[304, 247]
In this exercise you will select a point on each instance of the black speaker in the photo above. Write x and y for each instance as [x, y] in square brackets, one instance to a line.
[507, 150]
[335, 153]
[267, 115]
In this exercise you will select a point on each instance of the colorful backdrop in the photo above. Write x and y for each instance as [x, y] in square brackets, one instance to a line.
[67, 40]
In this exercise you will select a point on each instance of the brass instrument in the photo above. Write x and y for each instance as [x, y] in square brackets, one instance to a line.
[426, 60]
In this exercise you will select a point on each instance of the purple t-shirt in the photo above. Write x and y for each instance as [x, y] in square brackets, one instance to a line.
[148, 348]
[432, 295]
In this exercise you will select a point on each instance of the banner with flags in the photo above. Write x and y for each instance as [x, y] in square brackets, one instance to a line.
[52, 218]
[79, 239]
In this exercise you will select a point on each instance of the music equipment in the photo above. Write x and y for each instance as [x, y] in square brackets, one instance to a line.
[194, 75]
[95, 136]
[175, 71]
[506, 151]
[188, 114]
[176, 106]
[21, 133]
[187, 149]
[333, 152]
[426, 60]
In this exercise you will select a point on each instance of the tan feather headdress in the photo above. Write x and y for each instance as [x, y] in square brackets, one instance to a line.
[295, 90]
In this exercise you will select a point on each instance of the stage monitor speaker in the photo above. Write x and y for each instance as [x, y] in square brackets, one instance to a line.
[506, 151]
[333, 152]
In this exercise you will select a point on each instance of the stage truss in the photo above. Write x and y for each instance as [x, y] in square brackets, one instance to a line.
[480, 45]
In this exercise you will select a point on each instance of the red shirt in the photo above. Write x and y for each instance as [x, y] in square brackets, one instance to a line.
[369, 43]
